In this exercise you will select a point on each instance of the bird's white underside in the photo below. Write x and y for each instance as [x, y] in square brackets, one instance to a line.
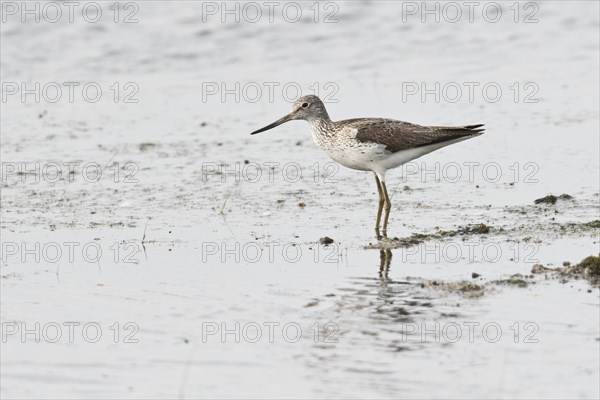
[347, 151]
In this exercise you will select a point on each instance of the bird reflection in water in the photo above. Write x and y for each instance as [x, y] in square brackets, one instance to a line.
[385, 259]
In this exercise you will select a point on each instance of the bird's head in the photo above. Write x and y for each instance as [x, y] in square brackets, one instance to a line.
[308, 108]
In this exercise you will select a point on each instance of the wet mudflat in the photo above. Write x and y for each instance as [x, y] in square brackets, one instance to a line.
[174, 255]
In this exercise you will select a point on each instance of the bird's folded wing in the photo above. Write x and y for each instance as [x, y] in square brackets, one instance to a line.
[399, 135]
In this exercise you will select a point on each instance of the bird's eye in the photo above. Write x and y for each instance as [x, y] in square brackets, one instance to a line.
[304, 105]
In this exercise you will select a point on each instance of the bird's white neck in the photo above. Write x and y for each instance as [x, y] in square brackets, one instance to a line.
[321, 126]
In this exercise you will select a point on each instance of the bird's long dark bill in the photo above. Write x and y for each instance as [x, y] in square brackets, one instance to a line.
[274, 124]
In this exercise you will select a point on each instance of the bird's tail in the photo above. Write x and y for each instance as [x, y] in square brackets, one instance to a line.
[451, 133]
[475, 128]
[466, 130]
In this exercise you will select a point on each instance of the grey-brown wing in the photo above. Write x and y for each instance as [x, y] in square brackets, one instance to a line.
[399, 135]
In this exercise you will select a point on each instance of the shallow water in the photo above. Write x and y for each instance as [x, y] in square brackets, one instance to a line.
[203, 242]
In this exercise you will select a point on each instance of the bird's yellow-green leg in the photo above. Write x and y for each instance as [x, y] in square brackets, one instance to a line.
[387, 206]
[380, 208]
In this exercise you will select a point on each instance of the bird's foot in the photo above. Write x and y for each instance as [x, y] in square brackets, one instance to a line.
[380, 236]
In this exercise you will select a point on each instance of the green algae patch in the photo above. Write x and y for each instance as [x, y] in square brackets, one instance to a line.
[594, 224]
[588, 268]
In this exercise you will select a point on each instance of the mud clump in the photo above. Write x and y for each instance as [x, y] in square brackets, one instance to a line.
[552, 199]
[588, 268]
[478, 229]
[540, 269]
[418, 238]
[396, 243]
[515, 280]
[146, 146]
[414, 239]
[326, 240]
[467, 289]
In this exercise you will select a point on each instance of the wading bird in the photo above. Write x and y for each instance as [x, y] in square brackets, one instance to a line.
[373, 144]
